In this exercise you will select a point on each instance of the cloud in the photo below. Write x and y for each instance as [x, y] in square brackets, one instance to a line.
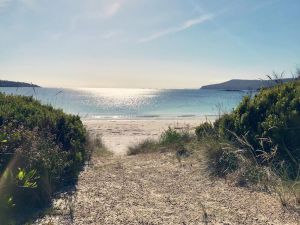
[186, 25]
[112, 9]
[106, 11]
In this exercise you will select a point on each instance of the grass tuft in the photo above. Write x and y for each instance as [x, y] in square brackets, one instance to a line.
[170, 140]
[146, 146]
[96, 147]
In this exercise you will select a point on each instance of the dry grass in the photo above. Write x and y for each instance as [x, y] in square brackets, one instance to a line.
[244, 167]
[170, 140]
[236, 163]
[146, 146]
[96, 147]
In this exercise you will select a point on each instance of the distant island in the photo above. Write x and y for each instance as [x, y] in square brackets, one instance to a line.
[6, 83]
[241, 85]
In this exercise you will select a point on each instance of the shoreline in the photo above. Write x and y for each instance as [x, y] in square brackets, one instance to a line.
[151, 117]
[119, 134]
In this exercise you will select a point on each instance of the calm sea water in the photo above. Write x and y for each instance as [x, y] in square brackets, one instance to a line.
[116, 103]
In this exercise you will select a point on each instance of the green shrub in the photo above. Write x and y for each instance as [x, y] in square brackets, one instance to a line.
[225, 124]
[204, 130]
[272, 114]
[173, 137]
[222, 158]
[252, 174]
[227, 160]
[38, 138]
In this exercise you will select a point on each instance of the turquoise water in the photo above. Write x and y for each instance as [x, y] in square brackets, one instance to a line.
[116, 103]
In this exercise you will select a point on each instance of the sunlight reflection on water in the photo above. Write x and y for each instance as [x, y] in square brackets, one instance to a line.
[120, 97]
[103, 103]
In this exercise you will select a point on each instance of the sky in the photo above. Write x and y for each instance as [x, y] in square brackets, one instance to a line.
[146, 43]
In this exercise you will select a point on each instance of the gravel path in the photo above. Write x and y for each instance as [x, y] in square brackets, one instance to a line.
[157, 189]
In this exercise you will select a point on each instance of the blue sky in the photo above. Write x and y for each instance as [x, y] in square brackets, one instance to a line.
[146, 43]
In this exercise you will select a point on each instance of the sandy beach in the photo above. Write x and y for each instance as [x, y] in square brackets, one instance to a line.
[118, 135]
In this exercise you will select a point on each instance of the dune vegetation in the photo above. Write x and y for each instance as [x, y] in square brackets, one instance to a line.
[269, 124]
[257, 145]
[42, 150]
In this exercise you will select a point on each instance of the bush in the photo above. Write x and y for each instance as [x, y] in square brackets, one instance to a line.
[222, 158]
[204, 130]
[273, 114]
[252, 174]
[227, 160]
[173, 137]
[43, 142]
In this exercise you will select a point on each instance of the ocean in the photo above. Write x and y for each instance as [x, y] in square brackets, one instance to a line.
[122, 103]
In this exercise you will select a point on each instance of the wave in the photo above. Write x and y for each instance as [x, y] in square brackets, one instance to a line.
[137, 117]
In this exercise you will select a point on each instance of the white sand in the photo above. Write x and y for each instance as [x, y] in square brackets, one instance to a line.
[118, 135]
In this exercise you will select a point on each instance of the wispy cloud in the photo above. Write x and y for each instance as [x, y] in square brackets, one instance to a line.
[106, 11]
[184, 26]
[112, 9]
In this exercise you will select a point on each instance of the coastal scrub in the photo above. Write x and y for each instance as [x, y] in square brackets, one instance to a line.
[41, 150]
